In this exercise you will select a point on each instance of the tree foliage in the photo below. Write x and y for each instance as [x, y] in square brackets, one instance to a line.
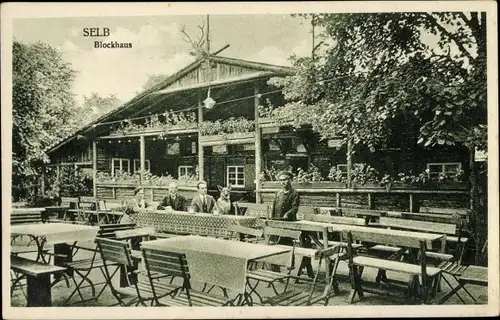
[375, 69]
[43, 106]
[153, 80]
[95, 106]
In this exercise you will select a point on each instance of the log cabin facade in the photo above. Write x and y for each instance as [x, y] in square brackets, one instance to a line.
[238, 87]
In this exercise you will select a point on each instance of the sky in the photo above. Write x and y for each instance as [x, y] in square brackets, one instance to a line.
[158, 46]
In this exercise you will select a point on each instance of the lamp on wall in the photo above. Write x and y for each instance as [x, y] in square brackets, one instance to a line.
[209, 102]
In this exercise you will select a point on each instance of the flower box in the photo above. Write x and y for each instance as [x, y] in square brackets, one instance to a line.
[368, 185]
[230, 138]
[448, 185]
[305, 185]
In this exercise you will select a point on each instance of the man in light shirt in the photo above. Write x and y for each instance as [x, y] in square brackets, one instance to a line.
[202, 202]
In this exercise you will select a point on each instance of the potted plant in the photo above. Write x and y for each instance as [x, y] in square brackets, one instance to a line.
[364, 176]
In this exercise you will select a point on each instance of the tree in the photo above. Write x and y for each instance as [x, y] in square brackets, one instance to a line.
[376, 68]
[153, 80]
[95, 106]
[43, 108]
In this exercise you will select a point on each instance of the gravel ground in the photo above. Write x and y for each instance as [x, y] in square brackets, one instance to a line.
[60, 291]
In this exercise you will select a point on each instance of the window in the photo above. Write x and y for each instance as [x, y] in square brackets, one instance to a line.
[185, 170]
[119, 164]
[445, 168]
[137, 165]
[236, 176]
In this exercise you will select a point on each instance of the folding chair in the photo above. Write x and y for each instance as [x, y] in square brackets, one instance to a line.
[82, 269]
[118, 253]
[302, 297]
[271, 277]
[170, 264]
[466, 275]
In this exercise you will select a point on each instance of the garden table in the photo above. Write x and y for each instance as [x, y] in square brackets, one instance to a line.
[217, 261]
[54, 234]
[181, 222]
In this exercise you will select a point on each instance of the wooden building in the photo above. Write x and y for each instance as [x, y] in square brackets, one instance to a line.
[175, 128]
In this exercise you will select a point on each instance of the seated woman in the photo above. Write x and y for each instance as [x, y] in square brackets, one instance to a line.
[134, 205]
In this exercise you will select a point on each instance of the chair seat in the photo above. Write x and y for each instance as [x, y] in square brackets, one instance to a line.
[86, 264]
[439, 256]
[198, 299]
[161, 289]
[266, 275]
[452, 267]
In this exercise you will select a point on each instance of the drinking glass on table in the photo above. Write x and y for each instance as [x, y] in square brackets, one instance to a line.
[190, 209]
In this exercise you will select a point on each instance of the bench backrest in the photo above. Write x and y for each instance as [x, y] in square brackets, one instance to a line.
[459, 211]
[387, 239]
[88, 203]
[305, 210]
[69, 202]
[166, 263]
[108, 231]
[407, 224]
[134, 233]
[429, 217]
[335, 219]
[234, 228]
[260, 210]
[21, 216]
[285, 233]
[115, 251]
[354, 212]
[331, 211]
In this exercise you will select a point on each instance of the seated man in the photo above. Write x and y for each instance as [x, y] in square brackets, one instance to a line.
[173, 199]
[202, 202]
[132, 206]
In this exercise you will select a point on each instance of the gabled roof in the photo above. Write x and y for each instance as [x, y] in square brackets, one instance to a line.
[249, 69]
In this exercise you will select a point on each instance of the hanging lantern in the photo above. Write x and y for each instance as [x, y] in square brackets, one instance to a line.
[209, 102]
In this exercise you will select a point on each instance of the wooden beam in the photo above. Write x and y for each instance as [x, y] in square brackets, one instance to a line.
[201, 160]
[349, 161]
[42, 181]
[142, 147]
[94, 168]
[258, 144]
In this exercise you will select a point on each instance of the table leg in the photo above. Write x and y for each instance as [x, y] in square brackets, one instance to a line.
[39, 291]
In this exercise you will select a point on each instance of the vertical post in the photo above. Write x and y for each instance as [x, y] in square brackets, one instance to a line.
[42, 181]
[258, 143]
[411, 202]
[201, 160]
[349, 161]
[94, 168]
[142, 147]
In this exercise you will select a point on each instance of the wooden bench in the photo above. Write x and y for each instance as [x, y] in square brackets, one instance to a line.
[26, 215]
[449, 232]
[88, 213]
[38, 279]
[429, 275]
[246, 234]
[110, 211]
[448, 211]
[260, 210]
[336, 220]
[429, 217]
[367, 214]
[70, 208]
[305, 210]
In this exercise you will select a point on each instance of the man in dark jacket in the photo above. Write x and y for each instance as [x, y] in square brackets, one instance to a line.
[285, 207]
[286, 201]
[202, 202]
[173, 199]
